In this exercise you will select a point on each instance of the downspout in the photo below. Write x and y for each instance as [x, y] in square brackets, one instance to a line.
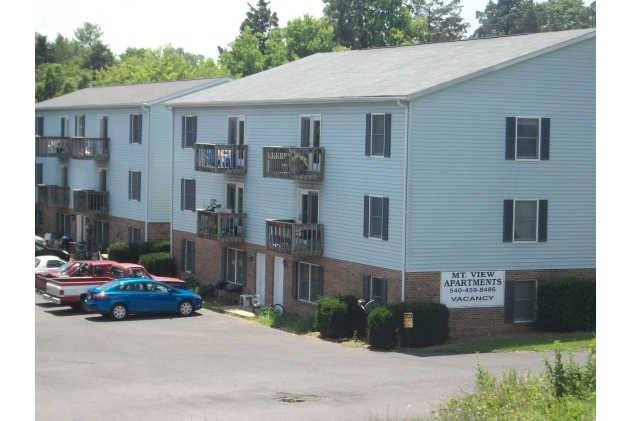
[170, 109]
[405, 200]
[148, 168]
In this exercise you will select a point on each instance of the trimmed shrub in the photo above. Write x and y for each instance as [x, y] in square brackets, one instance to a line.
[430, 324]
[161, 264]
[123, 253]
[355, 317]
[205, 290]
[382, 329]
[567, 305]
[145, 248]
[331, 317]
[161, 247]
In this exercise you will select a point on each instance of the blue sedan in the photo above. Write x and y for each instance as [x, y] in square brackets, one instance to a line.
[122, 297]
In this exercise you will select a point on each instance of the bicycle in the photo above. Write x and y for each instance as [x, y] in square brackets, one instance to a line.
[262, 310]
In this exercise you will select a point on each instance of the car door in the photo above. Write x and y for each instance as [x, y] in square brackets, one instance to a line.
[135, 296]
[159, 298]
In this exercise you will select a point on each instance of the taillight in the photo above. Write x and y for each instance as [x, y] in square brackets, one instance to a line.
[99, 296]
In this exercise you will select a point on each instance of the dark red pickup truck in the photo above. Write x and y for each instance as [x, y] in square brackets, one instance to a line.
[69, 286]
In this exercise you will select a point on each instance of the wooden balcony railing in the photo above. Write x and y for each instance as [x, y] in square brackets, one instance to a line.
[95, 149]
[52, 146]
[53, 195]
[91, 201]
[222, 227]
[287, 237]
[293, 163]
[230, 159]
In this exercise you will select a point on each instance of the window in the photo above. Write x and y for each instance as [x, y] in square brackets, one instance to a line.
[134, 185]
[236, 130]
[310, 130]
[63, 176]
[234, 265]
[234, 197]
[103, 179]
[103, 127]
[375, 289]
[308, 282]
[79, 126]
[187, 256]
[527, 138]
[63, 130]
[63, 224]
[39, 173]
[189, 131]
[187, 200]
[378, 127]
[133, 235]
[102, 233]
[135, 128]
[376, 217]
[519, 301]
[525, 220]
[39, 126]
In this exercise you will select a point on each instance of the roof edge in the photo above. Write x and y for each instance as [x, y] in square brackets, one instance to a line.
[332, 100]
[209, 84]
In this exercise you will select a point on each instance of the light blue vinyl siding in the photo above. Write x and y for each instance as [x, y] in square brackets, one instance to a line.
[459, 177]
[349, 175]
[159, 194]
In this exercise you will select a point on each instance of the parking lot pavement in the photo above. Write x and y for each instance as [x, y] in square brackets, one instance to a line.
[217, 367]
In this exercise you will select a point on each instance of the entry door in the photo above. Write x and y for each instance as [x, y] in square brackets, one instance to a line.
[260, 276]
[309, 207]
[310, 128]
[278, 280]
[80, 232]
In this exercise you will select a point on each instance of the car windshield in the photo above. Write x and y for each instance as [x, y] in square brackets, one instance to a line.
[65, 267]
[107, 285]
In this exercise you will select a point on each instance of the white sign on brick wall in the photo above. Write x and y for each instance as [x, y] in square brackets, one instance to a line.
[472, 289]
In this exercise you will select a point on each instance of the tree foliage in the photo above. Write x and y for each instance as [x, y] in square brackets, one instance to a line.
[443, 21]
[260, 20]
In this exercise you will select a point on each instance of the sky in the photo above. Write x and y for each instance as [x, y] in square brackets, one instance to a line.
[197, 27]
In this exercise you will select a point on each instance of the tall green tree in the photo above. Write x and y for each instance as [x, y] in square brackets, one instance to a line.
[63, 49]
[507, 17]
[307, 35]
[243, 58]
[43, 53]
[443, 21]
[260, 20]
[560, 15]
[88, 34]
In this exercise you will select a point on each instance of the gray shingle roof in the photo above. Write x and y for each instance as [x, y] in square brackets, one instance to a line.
[122, 95]
[396, 72]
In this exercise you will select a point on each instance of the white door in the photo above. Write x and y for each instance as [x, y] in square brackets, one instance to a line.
[260, 276]
[79, 229]
[278, 280]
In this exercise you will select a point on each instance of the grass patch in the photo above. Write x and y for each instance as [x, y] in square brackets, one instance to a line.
[289, 323]
[534, 342]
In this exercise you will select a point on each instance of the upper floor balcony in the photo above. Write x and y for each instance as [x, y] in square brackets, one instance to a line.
[52, 146]
[221, 226]
[91, 201]
[53, 195]
[305, 164]
[229, 159]
[95, 149]
[287, 237]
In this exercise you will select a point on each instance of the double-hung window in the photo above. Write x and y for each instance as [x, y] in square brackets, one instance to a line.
[376, 217]
[527, 138]
[308, 282]
[187, 256]
[234, 265]
[520, 300]
[133, 235]
[134, 185]
[135, 128]
[187, 199]
[79, 125]
[63, 224]
[39, 126]
[102, 233]
[236, 130]
[39, 173]
[189, 131]
[310, 132]
[525, 220]
[378, 134]
[375, 289]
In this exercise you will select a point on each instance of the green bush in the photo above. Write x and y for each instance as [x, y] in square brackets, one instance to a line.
[205, 290]
[161, 247]
[430, 324]
[567, 305]
[382, 329]
[339, 317]
[123, 253]
[355, 317]
[161, 264]
[145, 248]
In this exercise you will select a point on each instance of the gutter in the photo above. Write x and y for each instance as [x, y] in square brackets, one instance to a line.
[172, 182]
[148, 168]
[405, 200]
[287, 101]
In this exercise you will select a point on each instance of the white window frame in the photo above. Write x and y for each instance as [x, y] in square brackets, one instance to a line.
[309, 282]
[63, 223]
[65, 126]
[533, 299]
[61, 176]
[370, 218]
[187, 121]
[99, 128]
[236, 187]
[372, 286]
[133, 233]
[132, 185]
[372, 140]
[305, 192]
[239, 118]
[189, 253]
[517, 158]
[536, 220]
[76, 129]
[312, 118]
[185, 193]
[135, 129]
[100, 228]
[238, 254]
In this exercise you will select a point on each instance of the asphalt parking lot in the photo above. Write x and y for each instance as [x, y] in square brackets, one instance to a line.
[216, 367]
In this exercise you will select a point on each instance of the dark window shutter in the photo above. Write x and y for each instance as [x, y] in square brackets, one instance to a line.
[384, 228]
[131, 128]
[40, 126]
[129, 195]
[182, 253]
[508, 221]
[183, 132]
[366, 289]
[386, 145]
[245, 268]
[62, 131]
[182, 195]
[545, 139]
[321, 288]
[366, 215]
[194, 130]
[384, 291]
[510, 137]
[75, 126]
[368, 133]
[139, 129]
[224, 254]
[193, 194]
[509, 291]
[129, 239]
[542, 236]
[193, 259]
[294, 280]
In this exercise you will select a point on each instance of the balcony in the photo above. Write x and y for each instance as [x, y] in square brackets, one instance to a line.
[56, 196]
[229, 159]
[287, 237]
[91, 201]
[222, 227]
[52, 146]
[306, 164]
[94, 149]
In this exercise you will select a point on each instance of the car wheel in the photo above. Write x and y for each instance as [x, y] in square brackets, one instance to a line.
[82, 306]
[118, 311]
[185, 308]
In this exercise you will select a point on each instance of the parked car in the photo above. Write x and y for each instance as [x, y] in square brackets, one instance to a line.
[43, 264]
[125, 296]
[41, 250]
[40, 240]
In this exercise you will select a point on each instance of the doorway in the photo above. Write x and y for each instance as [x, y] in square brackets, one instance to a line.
[279, 274]
[260, 276]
